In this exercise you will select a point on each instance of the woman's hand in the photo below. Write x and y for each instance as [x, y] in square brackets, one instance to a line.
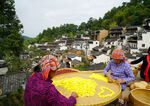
[110, 79]
[119, 81]
[74, 94]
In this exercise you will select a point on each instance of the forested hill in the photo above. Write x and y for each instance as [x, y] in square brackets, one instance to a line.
[128, 14]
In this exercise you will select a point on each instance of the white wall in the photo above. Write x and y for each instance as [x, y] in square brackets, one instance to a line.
[63, 47]
[79, 45]
[107, 45]
[101, 58]
[134, 45]
[145, 40]
[95, 43]
[134, 51]
[115, 43]
[77, 58]
[62, 44]
[87, 38]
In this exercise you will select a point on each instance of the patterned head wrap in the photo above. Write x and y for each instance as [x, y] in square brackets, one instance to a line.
[48, 63]
[118, 54]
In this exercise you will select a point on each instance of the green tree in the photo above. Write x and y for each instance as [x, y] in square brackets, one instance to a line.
[82, 26]
[11, 45]
[105, 24]
[113, 24]
[10, 29]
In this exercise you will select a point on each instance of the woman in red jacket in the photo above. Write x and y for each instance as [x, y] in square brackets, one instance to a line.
[145, 68]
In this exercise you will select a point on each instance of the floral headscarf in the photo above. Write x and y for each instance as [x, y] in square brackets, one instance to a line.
[118, 54]
[48, 63]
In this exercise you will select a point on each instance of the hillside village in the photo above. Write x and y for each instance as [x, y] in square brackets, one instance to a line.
[93, 51]
[97, 47]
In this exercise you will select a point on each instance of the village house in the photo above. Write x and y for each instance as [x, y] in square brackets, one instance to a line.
[144, 41]
[82, 36]
[99, 35]
[69, 58]
[92, 44]
[73, 56]
[98, 55]
[107, 43]
[138, 38]
[146, 26]
[133, 29]
[69, 42]
[62, 45]
[115, 32]
[114, 35]
[76, 63]
[121, 41]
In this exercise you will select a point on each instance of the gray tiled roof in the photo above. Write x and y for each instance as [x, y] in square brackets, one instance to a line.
[96, 53]
[97, 47]
[131, 27]
[71, 55]
[75, 61]
[108, 40]
[116, 28]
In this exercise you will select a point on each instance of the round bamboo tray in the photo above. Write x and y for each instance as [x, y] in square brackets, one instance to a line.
[140, 97]
[93, 100]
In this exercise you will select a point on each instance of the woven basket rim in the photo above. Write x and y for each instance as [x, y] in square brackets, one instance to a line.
[136, 97]
[69, 69]
[105, 102]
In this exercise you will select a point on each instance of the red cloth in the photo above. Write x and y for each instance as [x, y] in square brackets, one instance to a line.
[147, 69]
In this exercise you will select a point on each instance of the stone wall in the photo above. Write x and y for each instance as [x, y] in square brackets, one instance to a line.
[11, 82]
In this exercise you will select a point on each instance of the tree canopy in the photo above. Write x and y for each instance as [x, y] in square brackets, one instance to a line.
[10, 30]
[11, 40]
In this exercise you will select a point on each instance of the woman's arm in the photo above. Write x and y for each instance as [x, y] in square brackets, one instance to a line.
[129, 73]
[56, 98]
[138, 60]
[107, 68]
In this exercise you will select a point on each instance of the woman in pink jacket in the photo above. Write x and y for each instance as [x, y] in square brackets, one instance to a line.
[40, 91]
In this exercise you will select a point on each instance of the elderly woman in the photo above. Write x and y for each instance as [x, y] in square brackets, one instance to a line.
[120, 70]
[40, 91]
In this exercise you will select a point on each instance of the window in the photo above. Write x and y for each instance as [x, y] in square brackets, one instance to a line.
[143, 45]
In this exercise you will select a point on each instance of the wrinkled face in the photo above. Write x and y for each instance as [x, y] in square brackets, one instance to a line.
[117, 61]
